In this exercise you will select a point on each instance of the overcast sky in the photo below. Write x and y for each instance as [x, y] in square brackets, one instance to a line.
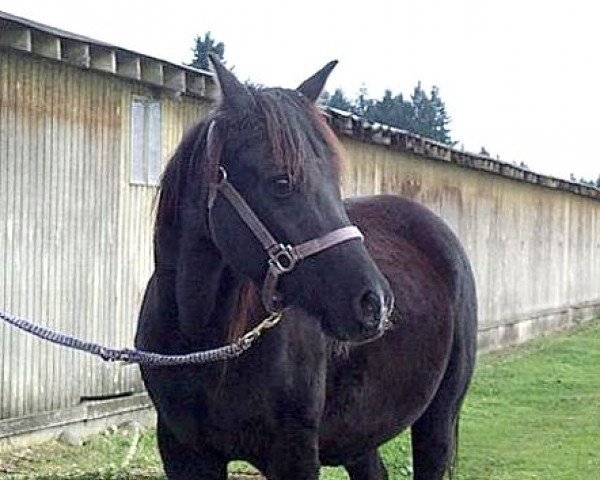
[518, 77]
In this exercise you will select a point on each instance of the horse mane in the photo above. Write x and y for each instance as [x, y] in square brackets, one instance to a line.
[176, 174]
[297, 133]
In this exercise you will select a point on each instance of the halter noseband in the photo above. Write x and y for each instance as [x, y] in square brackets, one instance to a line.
[283, 258]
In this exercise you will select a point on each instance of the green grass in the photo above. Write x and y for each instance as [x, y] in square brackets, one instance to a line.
[533, 412]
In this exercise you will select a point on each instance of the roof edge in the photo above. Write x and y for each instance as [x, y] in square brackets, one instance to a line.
[28, 36]
[356, 127]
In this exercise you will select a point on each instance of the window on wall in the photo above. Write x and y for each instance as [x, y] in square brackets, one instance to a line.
[145, 141]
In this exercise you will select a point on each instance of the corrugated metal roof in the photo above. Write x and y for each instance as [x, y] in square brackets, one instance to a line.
[354, 126]
[48, 29]
[36, 38]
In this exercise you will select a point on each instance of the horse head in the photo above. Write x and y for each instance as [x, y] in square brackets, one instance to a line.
[270, 202]
[282, 158]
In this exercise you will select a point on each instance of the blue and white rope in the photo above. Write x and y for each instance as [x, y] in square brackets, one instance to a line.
[142, 357]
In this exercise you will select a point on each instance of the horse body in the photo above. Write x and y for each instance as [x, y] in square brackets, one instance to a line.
[381, 388]
[301, 398]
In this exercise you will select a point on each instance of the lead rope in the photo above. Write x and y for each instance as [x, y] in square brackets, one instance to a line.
[128, 355]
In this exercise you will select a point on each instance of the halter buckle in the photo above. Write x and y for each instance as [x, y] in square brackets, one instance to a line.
[222, 176]
[282, 257]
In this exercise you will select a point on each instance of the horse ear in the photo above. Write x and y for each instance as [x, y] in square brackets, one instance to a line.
[312, 87]
[233, 92]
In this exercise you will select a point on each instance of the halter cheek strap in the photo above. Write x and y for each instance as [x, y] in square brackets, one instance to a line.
[283, 258]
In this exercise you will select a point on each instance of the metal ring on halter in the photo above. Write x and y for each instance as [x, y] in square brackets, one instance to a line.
[282, 257]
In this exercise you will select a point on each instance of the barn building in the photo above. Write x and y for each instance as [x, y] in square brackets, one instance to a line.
[85, 129]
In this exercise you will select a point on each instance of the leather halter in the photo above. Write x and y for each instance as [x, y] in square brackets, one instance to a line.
[283, 258]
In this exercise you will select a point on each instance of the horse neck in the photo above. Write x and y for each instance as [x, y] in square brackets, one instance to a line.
[204, 289]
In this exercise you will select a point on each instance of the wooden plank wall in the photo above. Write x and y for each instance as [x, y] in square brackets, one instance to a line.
[75, 235]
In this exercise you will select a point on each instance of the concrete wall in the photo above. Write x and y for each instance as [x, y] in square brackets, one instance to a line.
[535, 250]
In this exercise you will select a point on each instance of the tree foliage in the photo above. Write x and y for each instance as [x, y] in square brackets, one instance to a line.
[204, 46]
[337, 100]
[423, 113]
[585, 181]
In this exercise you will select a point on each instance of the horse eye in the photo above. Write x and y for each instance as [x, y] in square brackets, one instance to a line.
[282, 186]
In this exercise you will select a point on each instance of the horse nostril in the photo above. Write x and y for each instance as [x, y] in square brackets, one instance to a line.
[370, 305]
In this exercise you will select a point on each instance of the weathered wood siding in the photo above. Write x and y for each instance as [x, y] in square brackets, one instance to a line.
[75, 235]
[535, 251]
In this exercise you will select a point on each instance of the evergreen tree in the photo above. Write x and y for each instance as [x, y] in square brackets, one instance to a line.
[429, 117]
[391, 110]
[337, 100]
[441, 119]
[589, 183]
[423, 114]
[204, 46]
[362, 102]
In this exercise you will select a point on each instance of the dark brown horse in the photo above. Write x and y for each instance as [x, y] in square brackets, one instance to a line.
[339, 375]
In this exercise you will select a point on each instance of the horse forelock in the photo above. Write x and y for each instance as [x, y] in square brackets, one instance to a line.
[295, 129]
[297, 132]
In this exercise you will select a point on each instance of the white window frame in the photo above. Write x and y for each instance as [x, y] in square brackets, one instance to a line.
[146, 141]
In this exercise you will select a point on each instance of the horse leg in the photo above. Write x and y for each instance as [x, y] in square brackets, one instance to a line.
[433, 442]
[368, 466]
[293, 464]
[435, 434]
[294, 455]
[183, 463]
